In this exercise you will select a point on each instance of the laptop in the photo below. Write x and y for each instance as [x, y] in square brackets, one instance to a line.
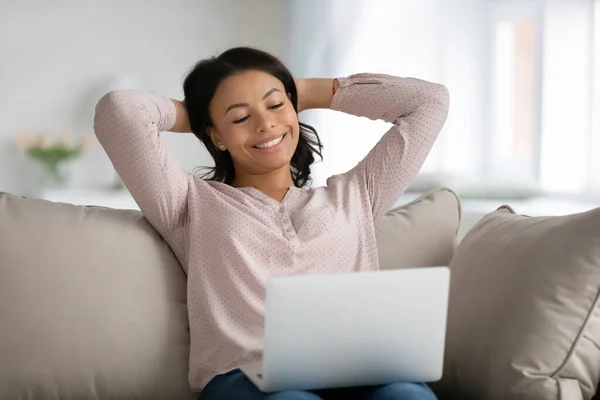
[353, 329]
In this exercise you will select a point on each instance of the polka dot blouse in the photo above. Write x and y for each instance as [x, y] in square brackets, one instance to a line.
[231, 240]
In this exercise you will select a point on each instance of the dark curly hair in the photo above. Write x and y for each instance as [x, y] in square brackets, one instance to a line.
[200, 86]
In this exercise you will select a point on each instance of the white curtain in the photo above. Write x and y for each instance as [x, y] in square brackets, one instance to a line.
[427, 39]
[321, 36]
[595, 167]
[456, 43]
[566, 134]
[342, 37]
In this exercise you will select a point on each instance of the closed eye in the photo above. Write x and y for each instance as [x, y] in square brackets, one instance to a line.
[239, 121]
[273, 107]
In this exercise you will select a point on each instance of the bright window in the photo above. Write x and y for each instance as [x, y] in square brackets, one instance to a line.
[524, 81]
[515, 104]
[594, 180]
[541, 121]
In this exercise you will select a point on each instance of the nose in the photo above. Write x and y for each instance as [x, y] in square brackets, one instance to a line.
[264, 122]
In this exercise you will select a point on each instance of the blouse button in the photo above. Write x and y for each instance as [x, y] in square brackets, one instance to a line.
[294, 246]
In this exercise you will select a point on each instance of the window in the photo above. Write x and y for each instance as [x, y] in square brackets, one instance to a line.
[524, 79]
[594, 181]
[515, 101]
[541, 93]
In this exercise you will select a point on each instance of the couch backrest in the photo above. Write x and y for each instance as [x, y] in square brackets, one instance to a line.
[93, 301]
[92, 305]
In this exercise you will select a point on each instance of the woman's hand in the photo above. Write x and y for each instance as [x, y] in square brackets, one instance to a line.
[182, 122]
[315, 92]
[300, 89]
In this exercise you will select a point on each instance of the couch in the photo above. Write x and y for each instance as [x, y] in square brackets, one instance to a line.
[93, 304]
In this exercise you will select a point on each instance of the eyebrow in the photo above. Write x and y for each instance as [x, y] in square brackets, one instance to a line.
[238, 105]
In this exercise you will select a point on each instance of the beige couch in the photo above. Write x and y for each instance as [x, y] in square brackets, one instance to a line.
[93, 306]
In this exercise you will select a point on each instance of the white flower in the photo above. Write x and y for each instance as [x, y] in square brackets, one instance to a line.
[66, 141]
[45, 141]
[24, 141]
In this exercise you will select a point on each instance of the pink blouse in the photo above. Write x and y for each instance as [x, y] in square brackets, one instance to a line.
[231, 240]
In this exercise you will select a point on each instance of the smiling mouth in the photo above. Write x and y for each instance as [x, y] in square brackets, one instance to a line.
[271, 143]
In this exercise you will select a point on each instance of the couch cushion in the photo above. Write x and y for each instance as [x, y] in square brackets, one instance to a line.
[92, 305]
[524, 319]
[422, 233]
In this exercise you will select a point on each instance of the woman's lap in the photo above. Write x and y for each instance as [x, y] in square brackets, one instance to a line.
[235, 385]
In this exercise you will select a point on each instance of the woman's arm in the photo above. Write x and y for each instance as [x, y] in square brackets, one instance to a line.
[127, 124]
[315, 92]
[417, 109]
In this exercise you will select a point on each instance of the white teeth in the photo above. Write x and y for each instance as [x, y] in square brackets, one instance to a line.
[272, 143]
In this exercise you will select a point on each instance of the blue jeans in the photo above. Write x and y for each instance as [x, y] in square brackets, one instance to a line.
[234, 385]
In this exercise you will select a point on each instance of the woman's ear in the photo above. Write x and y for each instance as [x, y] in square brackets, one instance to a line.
[215, 136]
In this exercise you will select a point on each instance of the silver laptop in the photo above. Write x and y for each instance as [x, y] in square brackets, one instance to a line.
[353, 329]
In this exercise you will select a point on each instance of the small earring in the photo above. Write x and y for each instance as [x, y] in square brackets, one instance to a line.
[222, 147]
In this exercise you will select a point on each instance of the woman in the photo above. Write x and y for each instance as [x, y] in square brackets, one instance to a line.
[253, 217]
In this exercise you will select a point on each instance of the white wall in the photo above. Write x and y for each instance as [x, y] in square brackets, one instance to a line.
[58, 57]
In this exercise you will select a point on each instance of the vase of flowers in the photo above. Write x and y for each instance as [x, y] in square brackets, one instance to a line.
[54, 154]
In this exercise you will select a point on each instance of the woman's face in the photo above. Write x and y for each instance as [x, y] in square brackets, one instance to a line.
[255, 121]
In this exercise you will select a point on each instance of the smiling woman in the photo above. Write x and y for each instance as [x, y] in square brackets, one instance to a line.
[261, 133]
[243, 105]
[253, 218]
